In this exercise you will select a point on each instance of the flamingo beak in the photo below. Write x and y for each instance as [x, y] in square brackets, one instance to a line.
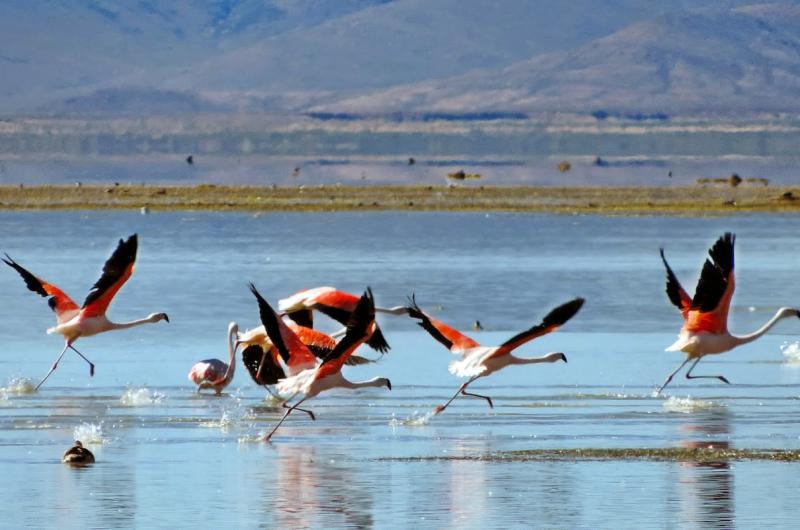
[388, 384]
[563, 357]
[165, 317]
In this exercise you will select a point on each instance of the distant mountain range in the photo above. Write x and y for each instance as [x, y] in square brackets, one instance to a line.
[379, 56]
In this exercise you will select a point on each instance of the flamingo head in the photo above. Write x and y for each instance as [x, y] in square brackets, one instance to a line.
[156, 317]
[555, 356]
[786, 312]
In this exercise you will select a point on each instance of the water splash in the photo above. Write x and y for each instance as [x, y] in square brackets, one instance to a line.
[19, 385]
[416, 419]
[791, 350]
[688, 404]
[252, 438]
[141, 397]
[89, 433]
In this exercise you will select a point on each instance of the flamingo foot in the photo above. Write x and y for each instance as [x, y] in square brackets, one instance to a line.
[439, 409]
[91, 370]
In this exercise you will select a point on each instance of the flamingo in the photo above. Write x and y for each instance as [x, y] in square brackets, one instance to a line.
[327, 374]
[480, 361]
[338, 305]
[78, 455]
[705, 317]
[258, 346]
[213, 373]
[90, 319]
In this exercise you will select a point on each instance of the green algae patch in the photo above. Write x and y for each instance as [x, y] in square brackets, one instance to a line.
[674, 201]
[656, 454]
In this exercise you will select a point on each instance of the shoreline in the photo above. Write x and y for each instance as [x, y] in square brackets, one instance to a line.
[683, 200]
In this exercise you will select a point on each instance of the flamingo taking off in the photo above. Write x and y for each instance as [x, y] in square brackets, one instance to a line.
[480, 361]
[327, 374]
[338, 305]
[90, 319]
[213, 373]
[705, 317]
[258, 345]
[78, 455]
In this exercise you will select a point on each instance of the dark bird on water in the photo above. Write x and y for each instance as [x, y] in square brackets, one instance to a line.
[190, 160]
[78, 455]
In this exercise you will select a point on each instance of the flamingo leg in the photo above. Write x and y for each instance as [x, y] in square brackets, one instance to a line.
[53, 368]
[670, 376]
[301, 410]
[288, 411]
[461, 390]
[690, 376]
[91, 364]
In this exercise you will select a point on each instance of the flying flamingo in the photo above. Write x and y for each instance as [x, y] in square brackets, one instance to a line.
[705, 317]
[480, 361]
[338, 305]
[213, 373]
[327, 374]
[257, 345]
[90, 319]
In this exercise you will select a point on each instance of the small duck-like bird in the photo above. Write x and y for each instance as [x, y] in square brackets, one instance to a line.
[78, 455]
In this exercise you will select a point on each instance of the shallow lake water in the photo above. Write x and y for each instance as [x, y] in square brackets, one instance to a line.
[167, 456]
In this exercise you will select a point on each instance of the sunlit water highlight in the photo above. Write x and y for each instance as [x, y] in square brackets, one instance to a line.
[163, 449]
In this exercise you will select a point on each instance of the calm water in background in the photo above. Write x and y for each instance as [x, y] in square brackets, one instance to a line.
[167, 456]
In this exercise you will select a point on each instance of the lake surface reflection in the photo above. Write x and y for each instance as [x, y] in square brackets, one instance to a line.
[167, 456]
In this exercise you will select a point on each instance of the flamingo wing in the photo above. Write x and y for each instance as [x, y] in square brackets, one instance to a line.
[116, 271]
[358, 329]
[554, 320]
[452, 339]
[712, 297]
[291, 349]
[302, 317]
[63, 306]
[272, 371]
[675, 292]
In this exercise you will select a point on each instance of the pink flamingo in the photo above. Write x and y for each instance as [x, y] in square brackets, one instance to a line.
[480, 361]
[90, 319]
[213, 373]
[705, 317]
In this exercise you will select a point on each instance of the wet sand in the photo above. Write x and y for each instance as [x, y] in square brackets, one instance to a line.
[686, 200]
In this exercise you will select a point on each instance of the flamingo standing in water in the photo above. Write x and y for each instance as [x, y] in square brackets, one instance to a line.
[213, 373]
[338, 305]
[480, 361]
[705, 316]
[326, 375]
[90, 319]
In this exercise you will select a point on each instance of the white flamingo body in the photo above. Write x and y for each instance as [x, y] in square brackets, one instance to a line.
[213, 373]
[307, 383]
[484, 361]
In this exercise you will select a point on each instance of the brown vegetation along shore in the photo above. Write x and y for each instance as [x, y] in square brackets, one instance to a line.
[687, 200]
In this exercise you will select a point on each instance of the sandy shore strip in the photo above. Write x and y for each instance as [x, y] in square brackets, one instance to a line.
[687, 200]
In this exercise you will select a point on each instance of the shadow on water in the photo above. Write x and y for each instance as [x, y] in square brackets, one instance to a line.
[706, 488]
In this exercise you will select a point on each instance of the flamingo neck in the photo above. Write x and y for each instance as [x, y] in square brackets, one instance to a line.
[374, 382]
[133, 323]
[233, 333]
[549, 358]
[397, 310]
[782, 313]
